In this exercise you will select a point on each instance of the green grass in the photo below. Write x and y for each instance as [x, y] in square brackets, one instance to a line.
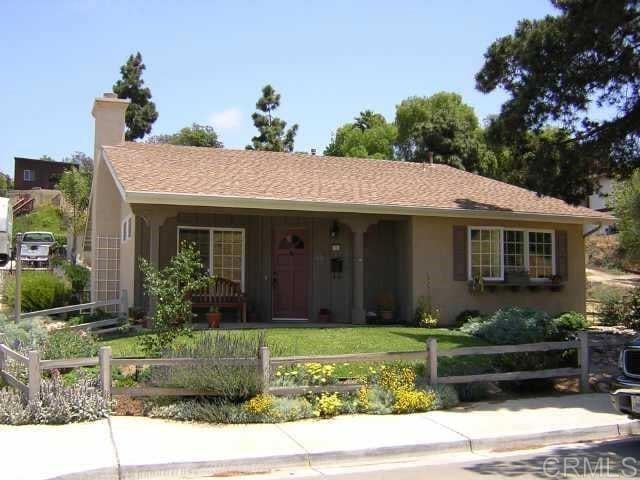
[333, 341]
[45, 218]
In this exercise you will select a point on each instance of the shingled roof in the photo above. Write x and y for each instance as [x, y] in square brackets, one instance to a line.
[149, 173]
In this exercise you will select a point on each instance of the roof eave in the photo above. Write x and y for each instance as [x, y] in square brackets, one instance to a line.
[165, 198]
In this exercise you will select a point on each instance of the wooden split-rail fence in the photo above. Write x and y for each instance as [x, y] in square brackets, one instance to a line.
[264, 364]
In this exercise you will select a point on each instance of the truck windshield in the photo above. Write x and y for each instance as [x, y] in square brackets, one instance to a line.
[37, 237]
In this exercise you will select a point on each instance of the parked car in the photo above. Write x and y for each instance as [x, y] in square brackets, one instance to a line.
[6, 220]
[626, 387]
[37, 248]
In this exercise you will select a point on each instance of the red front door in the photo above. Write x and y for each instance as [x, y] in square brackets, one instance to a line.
[290, 273]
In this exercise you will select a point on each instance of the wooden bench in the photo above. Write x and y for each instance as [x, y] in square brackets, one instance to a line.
[222, 293]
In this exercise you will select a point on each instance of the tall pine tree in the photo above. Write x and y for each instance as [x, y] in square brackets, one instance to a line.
[142, 111]
[272, 135]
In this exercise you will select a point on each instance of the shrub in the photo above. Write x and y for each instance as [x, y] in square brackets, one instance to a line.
[77, 275]
[464, 316]
[569, 323]
[25, 334]
[231, 382]
[516, 325]
[221, 411]
[40, 291]
[427, 315]
[392, 378]
[512, 325]
[261, 404]
[69, 344]
[306, 374]
[446, 395]
[290, 409]
[412, 400]
[375, 400]
[328, 405]
[611, 309]
[58, 404]
[211, 411]
[631, 313]
[172, 288]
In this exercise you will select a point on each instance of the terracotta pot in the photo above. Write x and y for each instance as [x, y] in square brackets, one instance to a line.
[387, 315]
[324, 317]
[214, 319]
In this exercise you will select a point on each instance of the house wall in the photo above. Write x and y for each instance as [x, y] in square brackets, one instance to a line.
[432, 256]
[327, 289]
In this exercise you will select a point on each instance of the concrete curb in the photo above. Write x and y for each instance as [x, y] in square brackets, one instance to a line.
[375, 455]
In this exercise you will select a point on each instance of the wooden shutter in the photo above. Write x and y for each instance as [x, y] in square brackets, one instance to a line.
[460, 253]
[562, 257]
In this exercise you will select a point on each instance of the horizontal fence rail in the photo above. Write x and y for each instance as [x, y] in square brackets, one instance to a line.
[264, 365]
[72, 308]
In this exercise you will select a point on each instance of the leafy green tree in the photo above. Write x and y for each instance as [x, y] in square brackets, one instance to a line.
[84, 162]
[141, 112]
[47, 158]
[273, 135]
[368, 136]
[578, 69]
[6, 184]
[625, 201]
[194, 136]
[75, 187]
[543, 161]
[447, 127]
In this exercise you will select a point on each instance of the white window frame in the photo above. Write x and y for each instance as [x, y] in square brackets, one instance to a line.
[526, 232]
[126, 228]
[28, 175]
[211, 252]
[469, 256]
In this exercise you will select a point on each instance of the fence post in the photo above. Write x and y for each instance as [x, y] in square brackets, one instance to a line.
[432, 360]
[124, 304]
[584, 361]
[104, 361]
[35, 375]
[18, 294]
[264, 364]
[3, 356]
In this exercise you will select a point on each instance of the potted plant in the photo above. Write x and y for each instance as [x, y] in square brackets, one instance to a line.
[386, 304]
[213, 317]
[324, 315]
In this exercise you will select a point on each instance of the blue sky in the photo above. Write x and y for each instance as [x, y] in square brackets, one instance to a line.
[207, 61]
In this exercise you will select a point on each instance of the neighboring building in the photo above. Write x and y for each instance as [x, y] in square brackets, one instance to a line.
[301, 233]
[30, 173]
[598, 201]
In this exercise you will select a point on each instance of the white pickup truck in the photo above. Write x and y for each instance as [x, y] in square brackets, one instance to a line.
[37, 248]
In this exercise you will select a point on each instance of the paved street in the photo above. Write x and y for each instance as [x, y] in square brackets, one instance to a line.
[616, 459]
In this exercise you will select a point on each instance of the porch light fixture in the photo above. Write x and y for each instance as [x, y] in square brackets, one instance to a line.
[335, 229]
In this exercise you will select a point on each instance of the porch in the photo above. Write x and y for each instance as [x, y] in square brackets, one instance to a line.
[294, 267]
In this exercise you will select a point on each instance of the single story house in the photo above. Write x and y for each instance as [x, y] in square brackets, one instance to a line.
[301, 233]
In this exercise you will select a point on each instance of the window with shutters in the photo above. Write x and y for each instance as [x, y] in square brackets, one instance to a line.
[494, 251]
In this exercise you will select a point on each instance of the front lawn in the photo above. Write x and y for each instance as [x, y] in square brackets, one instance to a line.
[333, 341]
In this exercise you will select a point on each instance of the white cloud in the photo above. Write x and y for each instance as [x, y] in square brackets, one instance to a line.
[227, 119]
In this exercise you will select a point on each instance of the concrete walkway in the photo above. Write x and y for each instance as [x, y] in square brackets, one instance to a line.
[134, 447]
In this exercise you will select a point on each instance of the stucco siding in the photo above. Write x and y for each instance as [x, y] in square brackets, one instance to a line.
[432, 258]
